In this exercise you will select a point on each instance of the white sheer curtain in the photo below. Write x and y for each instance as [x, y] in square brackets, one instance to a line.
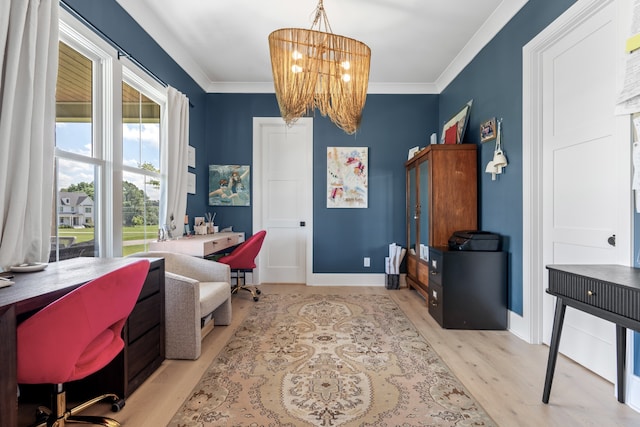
[174, 161]
[28, 70]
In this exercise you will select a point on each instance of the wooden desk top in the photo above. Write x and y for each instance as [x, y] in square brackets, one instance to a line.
[32, 291]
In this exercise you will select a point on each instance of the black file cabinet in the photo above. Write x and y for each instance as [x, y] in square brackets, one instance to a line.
[468, 289]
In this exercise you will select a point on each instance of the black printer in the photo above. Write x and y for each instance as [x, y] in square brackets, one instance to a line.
[474, 240]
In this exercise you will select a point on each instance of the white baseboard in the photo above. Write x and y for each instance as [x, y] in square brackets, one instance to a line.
[633, 392]
[519, 327]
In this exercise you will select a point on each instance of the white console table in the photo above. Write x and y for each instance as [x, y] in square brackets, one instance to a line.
[199, 245]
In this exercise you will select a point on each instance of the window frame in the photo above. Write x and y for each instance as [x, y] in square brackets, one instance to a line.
[110, 70]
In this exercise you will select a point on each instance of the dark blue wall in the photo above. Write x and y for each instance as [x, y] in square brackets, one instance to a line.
[342, 237]
[391, 125]
[229, 141]
[494, 81]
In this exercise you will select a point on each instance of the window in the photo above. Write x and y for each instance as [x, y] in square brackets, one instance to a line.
[141, 169]
[107, 157]
[76, 167]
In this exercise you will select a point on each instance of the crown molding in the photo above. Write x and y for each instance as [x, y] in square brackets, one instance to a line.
[492, 26]
[374, 88]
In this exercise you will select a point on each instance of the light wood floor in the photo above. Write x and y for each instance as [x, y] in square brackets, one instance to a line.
[505, 374]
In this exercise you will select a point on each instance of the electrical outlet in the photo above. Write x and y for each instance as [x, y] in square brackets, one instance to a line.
[367, 261]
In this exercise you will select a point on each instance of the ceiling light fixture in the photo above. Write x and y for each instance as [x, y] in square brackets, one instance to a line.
[318, 69]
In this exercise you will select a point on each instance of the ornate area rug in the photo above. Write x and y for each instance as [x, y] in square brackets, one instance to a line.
[328, 360]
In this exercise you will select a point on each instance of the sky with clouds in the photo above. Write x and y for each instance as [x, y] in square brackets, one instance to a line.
[140, 145]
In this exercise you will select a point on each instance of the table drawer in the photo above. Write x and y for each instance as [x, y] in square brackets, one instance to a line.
[209, 247]
[436, 306]
[622, 300]
[152, 283]
[144, 316]
[143, 352]
[435, 266]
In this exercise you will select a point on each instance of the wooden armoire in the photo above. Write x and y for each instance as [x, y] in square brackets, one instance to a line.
[442, 197]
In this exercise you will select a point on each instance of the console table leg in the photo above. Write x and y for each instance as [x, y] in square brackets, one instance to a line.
[621, 353]
[553, 348]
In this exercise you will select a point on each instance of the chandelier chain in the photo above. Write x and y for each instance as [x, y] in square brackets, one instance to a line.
[321, 18]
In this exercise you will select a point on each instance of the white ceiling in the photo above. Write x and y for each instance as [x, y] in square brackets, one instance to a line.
[417, 46]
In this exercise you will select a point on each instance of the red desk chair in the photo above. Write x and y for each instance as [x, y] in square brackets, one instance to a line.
[243, 259]
[77, 335]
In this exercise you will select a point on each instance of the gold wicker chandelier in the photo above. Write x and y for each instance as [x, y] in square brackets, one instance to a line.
[318, 69]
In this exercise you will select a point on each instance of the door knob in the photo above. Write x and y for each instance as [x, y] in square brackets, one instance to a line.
[612, 240]
[302, 223]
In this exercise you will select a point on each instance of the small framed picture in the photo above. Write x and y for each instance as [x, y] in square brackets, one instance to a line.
[488, 130]
[413, 151]
[191, 156]
[191, 183]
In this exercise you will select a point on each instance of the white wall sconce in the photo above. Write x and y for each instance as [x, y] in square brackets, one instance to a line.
[499, 161]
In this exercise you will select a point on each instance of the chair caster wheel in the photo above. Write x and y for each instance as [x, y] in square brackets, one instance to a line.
[258, 291]
[117, 405]
[42, 415]
[256, 298]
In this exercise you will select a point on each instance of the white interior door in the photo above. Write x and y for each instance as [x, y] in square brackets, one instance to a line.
[586, 184]
[283, 172]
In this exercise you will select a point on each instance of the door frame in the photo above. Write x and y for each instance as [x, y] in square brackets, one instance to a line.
[258, 192]
[529, 326]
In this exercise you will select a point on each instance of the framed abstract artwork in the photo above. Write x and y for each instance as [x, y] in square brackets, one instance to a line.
[347, 177]
[453, 130]
[229, 185]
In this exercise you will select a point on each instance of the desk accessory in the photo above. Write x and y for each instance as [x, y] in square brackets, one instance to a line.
[29, 268]
[4, 282]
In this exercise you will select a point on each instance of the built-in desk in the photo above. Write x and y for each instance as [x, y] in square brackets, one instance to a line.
[33, 291]
[199, 245]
